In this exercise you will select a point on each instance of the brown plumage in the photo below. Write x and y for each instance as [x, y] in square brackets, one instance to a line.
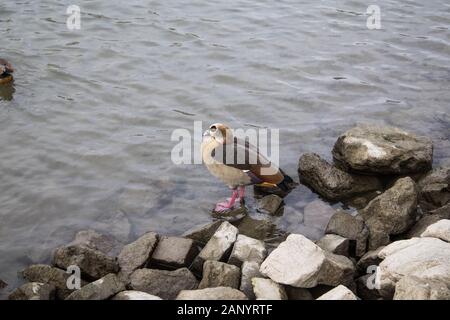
[238, 163]
[5, 71]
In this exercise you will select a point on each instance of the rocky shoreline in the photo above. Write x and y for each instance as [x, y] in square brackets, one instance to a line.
[395, 246]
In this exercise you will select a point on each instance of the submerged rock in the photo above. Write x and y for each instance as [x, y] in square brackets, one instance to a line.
[317, 214]
[134, 295]
[383, 150]
[414, 288]
[33, 291]
[269, 204]
[331, 182]
[435, 189]
[92, 263]
[136, 254]
[267, 289]
[254, 228]
[247, 249]
[174, 252]
[97, 241]
[335, 244]
[100, 289]
[440, 230]
[50, 275]
[203, 233]
[237, 213]
[339, 293]
[219, 274]
[218, 293]
[391, 213]
[249, 270]
[163, 283]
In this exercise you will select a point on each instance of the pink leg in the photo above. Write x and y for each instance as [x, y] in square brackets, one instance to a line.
[223, 206]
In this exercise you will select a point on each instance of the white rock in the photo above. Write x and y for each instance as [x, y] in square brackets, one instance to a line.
[334, 244]
[413, 288]
[249, 270]
[247, 249]
[217, 293]
[267, 289]
[135, 295]
[339, 293]
[440, 230]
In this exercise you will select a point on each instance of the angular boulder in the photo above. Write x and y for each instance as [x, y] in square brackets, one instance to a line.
[33, 291]
[267, 289]
[383, 150]
[174, 252]
[93, 264]
[256, 228]
[435, 189]
[100, 289]
[414, 288]
[247, 249]
[134, 295]
[219, 274]
[336, 270]
[269, 204]
[249, 270]
[202, 233]
[163, 283]
[339, 293]
[331, 182]
[440, 230]
[217, 293]
[391, 213]
[335, 244]
[97, 241]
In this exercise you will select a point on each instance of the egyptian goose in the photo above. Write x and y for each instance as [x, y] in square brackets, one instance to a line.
[246, 166]
[5, 71]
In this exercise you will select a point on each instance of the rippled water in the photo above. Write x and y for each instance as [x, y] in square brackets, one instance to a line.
[85, 136]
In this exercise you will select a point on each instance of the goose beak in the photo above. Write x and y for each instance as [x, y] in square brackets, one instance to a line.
[207, 134]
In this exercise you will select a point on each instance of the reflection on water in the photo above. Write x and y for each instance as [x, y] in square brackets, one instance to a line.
[85, 141]
[7, 91]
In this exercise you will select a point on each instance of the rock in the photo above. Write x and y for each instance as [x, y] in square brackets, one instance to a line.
[50, 275]
[414, 288]
[254, 228]
[421, 225]
[369, 259]
[249, 270]
[134, 295]
[298, 293]
[218, 293]
[317, 214]
[233, 215]
[202, 233]
[425, 258]
[33, 291]
[92, 263]
[350, 227]
[219, 274]
[266, 289]
[269, 204]
[174, 252]
[335, 244]
[136, 254]
[336, 270]
[339, 293]
[331, 182]
[296, 262]
[383, 150]
[440, 230]
[443, 212]
[435, 189]
[391, 213]
[100, 289]
[163, 283]
[364, 291]
[218, 246]
[247, 249]
[3, 284]
[96, 241]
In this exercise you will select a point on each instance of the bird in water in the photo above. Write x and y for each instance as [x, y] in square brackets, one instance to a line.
[244, 166]
[5, 71]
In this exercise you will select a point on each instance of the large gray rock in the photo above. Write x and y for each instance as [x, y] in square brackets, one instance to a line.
[383, 150]
[425, 258]
[174, 252]
[134, 295]
[100, 289]
[217, 293]
[136, 254]
[391, 213]
[350, 227]
[50, 275]
[97, 241]
[247, 249]
[163, 283]
[93, 264]
[249, 270]
[267, 289]
[414, 288]
[255, 228]
[202, 233]
[218, 246]
[435, 189]
[339, 293]
[331, 182]
[269, 204]
[336, 270]
[219, 274]
[33, 291]
[335, 244]
[440, 230]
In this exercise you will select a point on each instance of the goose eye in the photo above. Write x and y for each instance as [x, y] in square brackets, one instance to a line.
[213, 128]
